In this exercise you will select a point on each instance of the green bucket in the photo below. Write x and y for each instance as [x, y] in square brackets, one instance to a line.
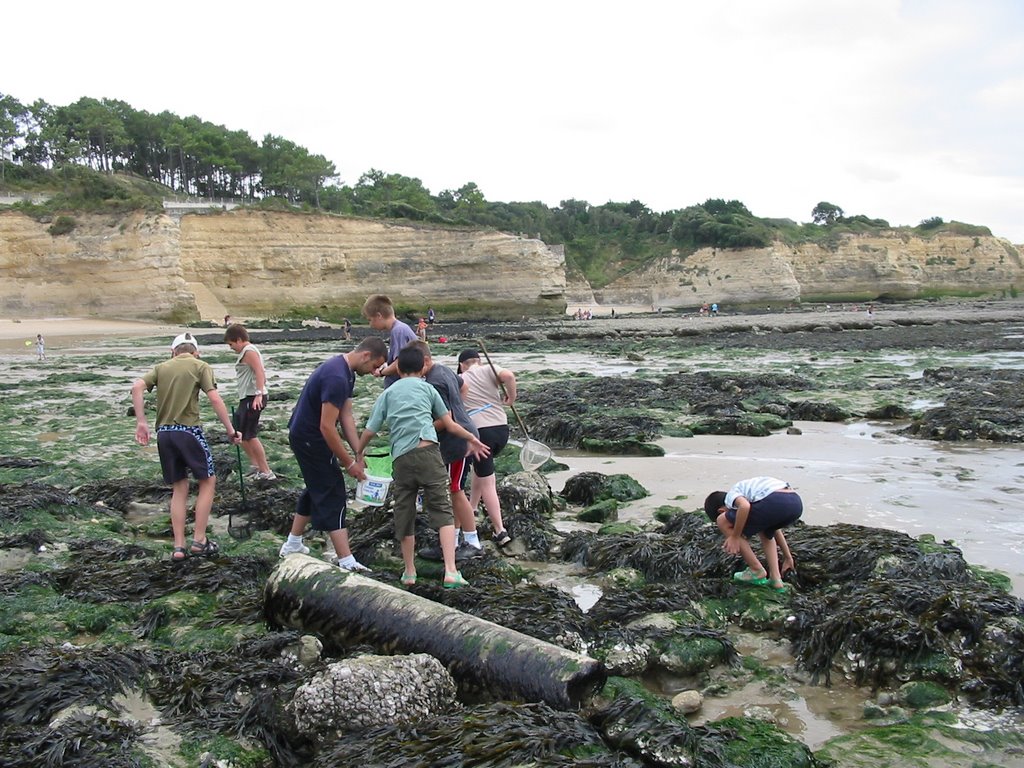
[379, 465]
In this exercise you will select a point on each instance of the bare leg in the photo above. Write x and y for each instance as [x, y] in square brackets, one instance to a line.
[750, 558]
[463, 511]
[488, 490]
[788, 563]
[409, 554]
[257, 455]
[179, 511]
[446, 533]
[204, 503]
[771, 554]
[339, 539]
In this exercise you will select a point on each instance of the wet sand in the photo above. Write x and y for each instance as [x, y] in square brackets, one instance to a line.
[63, 332]
[860, 473]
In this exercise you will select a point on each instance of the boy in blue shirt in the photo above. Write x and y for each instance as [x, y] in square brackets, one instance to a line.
[411, 408]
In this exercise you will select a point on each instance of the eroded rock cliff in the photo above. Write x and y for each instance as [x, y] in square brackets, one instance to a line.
[253, 263]
[894, 265]
[259, 263]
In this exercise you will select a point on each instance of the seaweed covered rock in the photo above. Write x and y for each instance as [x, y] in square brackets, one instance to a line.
[526, 508]
[588, 488]
[980, 404]
[494, 734]
[367, 691]
[881, 607]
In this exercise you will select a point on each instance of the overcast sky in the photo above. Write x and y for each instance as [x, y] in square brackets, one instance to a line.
[900, 110]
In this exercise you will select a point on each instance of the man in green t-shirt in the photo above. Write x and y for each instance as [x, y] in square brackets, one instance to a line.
[179, 436]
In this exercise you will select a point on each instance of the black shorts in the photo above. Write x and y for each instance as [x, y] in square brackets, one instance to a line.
[325, 498]
[774, 511]
[495, 438]
[183, 450]
[247, 419]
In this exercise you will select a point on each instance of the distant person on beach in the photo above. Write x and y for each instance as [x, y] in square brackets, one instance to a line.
[421, 330]
[482, 393]
[348, 329]
[714, 309]
[227, 320]
[431, 317]
[454, 451]
[40, 347]
[325, 402]
[380, 312]
[411, 408]
[761, 505]
[180, 439]
[251, 376]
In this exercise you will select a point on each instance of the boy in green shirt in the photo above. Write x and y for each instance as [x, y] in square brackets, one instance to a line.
[411, 408]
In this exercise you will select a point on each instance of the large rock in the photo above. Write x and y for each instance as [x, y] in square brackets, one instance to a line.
[369, 691]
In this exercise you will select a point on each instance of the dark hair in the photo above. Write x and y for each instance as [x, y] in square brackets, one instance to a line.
[714, 501]
[410, 360]
[236, 332]
[375, 346]
[468, 354]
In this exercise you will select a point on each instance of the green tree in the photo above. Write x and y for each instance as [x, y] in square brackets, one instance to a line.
[12, 112]
[826, 213]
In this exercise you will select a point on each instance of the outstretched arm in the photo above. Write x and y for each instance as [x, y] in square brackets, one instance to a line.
[476, 448]
[734, 541]
[222, 413]
[141, 424]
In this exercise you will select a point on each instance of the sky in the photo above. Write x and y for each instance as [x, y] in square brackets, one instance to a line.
[894, 109]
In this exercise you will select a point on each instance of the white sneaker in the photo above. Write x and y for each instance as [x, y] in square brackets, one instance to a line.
[265, 475]
[355, 567]
[288, 548]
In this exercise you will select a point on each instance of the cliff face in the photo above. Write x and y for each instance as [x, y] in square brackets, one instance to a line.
[860, 267]
[257, 263]
[109, 266]
[262, 264]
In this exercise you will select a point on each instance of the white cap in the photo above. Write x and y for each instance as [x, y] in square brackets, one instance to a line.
[184, 338]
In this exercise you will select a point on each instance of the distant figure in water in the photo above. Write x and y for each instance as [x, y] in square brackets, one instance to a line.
[761, 505]
[40, 347]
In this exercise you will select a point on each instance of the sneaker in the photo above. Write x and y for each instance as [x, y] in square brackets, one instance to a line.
[431, 553]
[501, 539]
[268, 476]
[251, 472]
[467, 551]
[354, 567]
[290, 549]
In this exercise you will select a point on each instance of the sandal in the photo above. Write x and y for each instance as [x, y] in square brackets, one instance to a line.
[207, 548]
[453, 580]
[179, 551]
[408, 579]
[779, 586]
[747, 576]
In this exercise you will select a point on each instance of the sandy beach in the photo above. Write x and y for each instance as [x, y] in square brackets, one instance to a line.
[62, 332]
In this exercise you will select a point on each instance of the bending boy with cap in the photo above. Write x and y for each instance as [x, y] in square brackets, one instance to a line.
[180, 439]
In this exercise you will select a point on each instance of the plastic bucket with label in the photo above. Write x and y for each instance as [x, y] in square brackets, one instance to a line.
[373, 490]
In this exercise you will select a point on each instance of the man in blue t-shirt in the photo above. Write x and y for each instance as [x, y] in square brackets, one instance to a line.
[325, 402]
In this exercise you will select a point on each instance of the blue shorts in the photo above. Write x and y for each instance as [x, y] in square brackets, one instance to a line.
[774, 511]
[325, 498]
[183, 450]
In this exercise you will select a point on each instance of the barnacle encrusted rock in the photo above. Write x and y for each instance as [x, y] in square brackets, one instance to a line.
[368, 691]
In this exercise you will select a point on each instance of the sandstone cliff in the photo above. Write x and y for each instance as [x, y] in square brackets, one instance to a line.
[259, 263]
[252, 263]
[860, 267]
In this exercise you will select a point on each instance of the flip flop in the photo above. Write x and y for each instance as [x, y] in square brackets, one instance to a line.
[453, 580]
[778, 586]
[408, 579]
[747, 576]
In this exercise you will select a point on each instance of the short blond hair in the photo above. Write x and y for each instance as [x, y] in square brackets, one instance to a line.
[378, 304]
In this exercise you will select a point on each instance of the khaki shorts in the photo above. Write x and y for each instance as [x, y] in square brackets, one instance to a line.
[421, 468]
